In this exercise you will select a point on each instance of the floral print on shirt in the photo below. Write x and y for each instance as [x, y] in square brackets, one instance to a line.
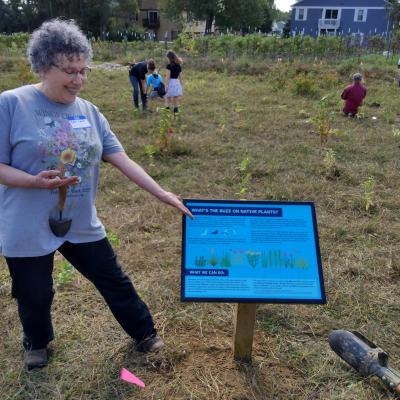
[72, 150]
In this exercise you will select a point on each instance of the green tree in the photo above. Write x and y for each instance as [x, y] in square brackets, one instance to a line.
[235, 14]
[280, 15]
[200, 10]
[123, 13]
[26, 15]
[246, 16]
[286, 29]
[270, 13]
[393, 9]
[95, 16]
[8, 18]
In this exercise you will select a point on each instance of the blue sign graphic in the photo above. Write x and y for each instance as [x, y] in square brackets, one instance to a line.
[251, 251]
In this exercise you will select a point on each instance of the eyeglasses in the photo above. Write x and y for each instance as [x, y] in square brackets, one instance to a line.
[84, 72]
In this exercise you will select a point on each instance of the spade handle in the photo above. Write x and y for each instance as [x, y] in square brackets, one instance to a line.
[62, 190]
[62, 195]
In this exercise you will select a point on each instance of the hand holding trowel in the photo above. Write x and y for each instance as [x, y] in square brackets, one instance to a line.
[61, 226]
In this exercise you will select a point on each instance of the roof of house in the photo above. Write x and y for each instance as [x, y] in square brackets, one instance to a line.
[341, 3]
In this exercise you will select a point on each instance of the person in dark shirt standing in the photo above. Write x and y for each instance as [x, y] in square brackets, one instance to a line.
[353, 96]
[137, 76]
[173, 83]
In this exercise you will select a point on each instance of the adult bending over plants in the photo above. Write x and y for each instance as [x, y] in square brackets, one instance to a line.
[51, 145]
[137, 77]
[353, 96]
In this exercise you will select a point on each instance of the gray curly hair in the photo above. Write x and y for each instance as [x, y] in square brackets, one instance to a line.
[56, 38]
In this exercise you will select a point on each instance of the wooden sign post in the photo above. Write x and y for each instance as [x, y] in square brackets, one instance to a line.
[244, 331]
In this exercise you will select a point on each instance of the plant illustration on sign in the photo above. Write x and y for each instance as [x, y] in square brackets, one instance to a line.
[200, 261]
[226, 260]
[213, 260]
[253, 258]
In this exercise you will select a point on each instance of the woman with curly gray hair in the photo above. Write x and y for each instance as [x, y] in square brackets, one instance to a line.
[51, 145]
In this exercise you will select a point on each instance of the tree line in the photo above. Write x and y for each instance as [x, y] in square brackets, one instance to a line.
[93, 16]
[238, 15]
[98, 16]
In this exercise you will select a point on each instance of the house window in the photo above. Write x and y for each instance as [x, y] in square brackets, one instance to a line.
[331, 14]
[153, 17]
[301, 14]
[360, 15]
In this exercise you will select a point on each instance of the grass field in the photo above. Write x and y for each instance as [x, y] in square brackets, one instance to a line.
[228, 116]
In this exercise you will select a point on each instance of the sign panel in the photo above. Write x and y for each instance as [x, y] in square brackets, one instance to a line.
[251, 251]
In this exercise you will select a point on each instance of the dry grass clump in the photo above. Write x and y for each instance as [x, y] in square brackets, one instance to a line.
[226, 118]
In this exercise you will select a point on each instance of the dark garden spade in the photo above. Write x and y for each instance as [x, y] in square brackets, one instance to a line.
[60, 226]
[364, 356]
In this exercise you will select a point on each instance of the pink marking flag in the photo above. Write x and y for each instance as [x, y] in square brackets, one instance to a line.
[130, 378]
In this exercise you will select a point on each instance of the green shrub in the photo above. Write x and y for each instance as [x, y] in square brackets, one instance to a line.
[304, 85]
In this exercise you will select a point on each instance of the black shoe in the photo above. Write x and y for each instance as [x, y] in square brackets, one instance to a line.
[35, 358]
[150, 344]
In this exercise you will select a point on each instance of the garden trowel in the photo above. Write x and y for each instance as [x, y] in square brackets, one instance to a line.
[364, 356]
[60, 226]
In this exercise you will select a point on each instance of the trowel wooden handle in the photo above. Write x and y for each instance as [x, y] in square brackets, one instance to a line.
[62, 191]
[62, 195]
[397, 390]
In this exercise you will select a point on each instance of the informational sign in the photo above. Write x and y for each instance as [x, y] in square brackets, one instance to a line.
[251, 251]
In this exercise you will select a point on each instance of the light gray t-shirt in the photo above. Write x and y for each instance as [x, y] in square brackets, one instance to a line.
[38, 134]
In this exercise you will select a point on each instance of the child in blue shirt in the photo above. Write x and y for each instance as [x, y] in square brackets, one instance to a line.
[155, 85]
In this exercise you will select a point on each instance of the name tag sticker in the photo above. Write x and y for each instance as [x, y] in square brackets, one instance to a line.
[79, 121]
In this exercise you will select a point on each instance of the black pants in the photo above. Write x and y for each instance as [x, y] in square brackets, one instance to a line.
[138, 88]
[32, 286]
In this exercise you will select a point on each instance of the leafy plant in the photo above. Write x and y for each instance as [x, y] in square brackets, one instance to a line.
[303, 114]
[330, 167]
[244, 175]
[166, 130]
[187, 41]
[279, 82]
[113, 238]
[66, 273]
[304, 85]
[323, 121]
[150, 151]
[237, 107]
[369, 192]
[388, 116]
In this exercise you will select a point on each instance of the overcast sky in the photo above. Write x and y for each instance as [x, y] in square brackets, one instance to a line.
[284, 5]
